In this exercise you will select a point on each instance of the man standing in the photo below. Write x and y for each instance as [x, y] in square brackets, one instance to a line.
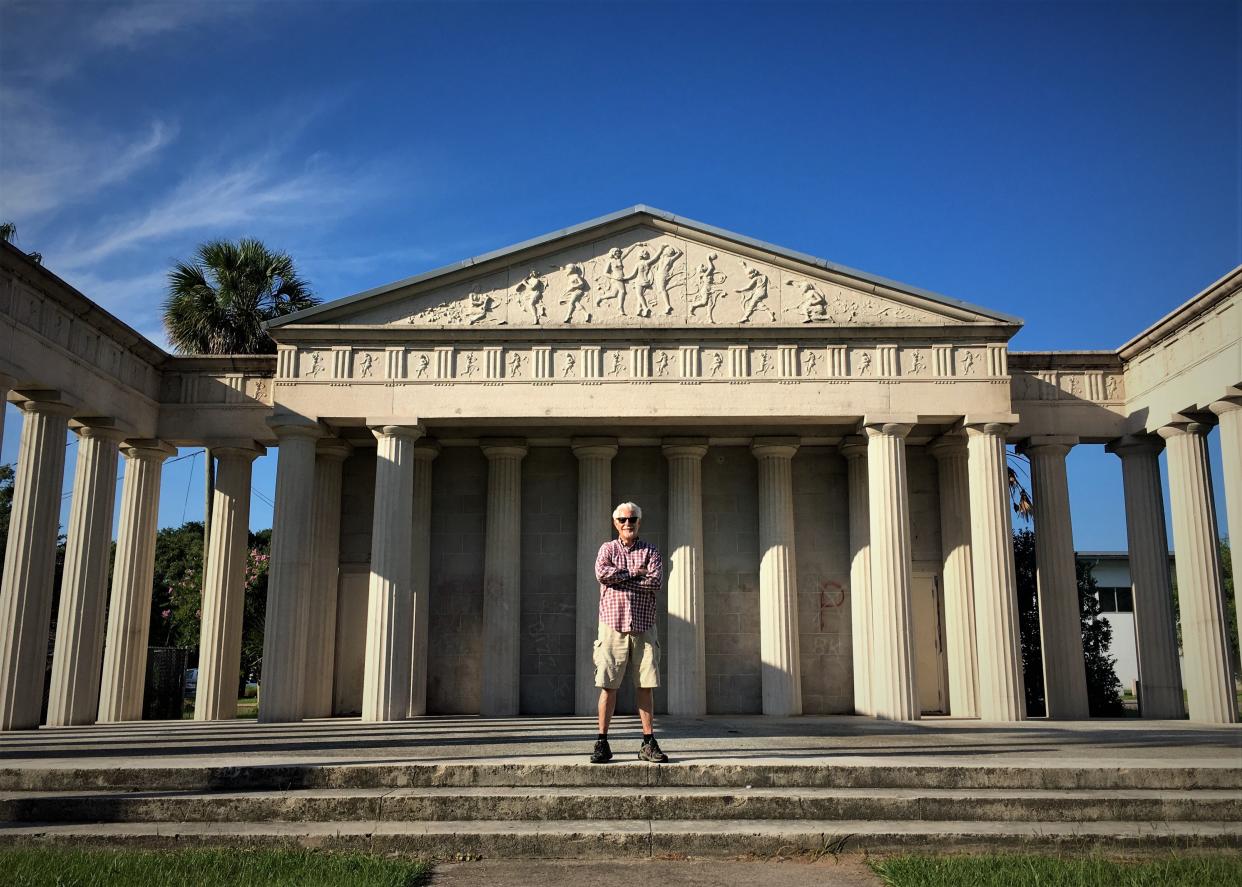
[629, 571]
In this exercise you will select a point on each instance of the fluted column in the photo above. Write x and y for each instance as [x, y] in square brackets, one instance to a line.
[282, 686]
[129, 607]
[1207, 671]
[1001, 693]
[390, 607]
[29, 562]
[1160, 674]
[425, 453]
[892, 680]
[330, 456]
[224, 584]
[959, 587]
[687, 674]
[595, 455]
[1060, 625]
[1229, 412]
[78, 652]
[502, 579]
[778, 578]
[854, 448]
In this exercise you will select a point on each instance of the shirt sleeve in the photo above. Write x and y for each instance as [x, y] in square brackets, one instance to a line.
[606, 570]
[655, 571]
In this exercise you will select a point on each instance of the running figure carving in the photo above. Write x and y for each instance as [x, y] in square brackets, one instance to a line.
[754, 294]
[532, 288]
[576, 289]
[708, 287]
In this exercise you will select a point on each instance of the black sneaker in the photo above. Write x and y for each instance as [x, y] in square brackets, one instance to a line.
[602, 753]
[650, 751]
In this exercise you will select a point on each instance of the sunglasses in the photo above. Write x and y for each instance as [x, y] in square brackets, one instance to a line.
[626, 520]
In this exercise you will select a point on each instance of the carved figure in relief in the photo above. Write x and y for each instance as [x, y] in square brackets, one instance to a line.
[810, 360]
[754, 294]
[260, 391]
[316, 366]
[530, 295]
[864, 363]
[364, 365]
[1072, 386]
[423, 362]
[570, 363]
[918, 365]
[469, 366]
[765, 364]
[617, 362]
[717, 363]
[709, 290]
[515, 364]
[667, 270]
[1110, 387]
[576, 289]
[481, 305]
[616, 280]
[662, 362]
[968, 362]
[814, 306]
[644, 277]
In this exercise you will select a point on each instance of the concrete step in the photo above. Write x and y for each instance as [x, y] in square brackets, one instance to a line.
[498, 803]
[629, 838]
[630, 774]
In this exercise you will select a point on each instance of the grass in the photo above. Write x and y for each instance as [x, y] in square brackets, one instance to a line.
[1053, 871]
[59, 867]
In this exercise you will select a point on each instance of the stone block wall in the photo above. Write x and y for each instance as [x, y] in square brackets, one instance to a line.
[357, 516]
[923, 479]
[549, 549]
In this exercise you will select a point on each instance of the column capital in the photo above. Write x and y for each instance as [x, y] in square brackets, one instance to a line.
[1185, 427]
[47, 401]
[1053, 444]
[690, 447]
[292, 425]
[587, 447]
[410, 432]
[503, 447]
[853, 446]
[333, 448]
[426, 450]
[949, 446]
[239, 451]
[147, 448]
[1226, 405]
[998, 429]
[1135, 445]
[886, 428]
[775, 447]
[99, 431]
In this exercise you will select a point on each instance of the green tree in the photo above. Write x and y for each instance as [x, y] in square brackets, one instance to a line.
[6, 506]
[1103, 688]
[217, 304]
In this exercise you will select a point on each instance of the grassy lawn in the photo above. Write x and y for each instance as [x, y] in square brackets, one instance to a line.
[58, 867]
[1052, 871]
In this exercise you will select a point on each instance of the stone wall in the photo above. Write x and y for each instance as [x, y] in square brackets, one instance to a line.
[357, 516]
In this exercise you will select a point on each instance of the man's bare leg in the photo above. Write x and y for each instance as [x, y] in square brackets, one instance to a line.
[646, 709]
[607, 703]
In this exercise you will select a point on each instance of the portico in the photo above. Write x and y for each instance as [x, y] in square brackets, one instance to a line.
[819, 453]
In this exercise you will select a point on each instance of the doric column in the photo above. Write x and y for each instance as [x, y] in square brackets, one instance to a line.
[330, 455]
[78, 652]
[893, 693]
[425, 453]
[959, 588]
[1060, 626]
[282, 693]
[502, 578]
[687, 674]
[129, 607]
[1229, 411]
[1207, 672]
[595, 455]
[854, 449]
[1160, 675]
[390, 605]
[1001, 693]
[224, 583]
[29, 562]
[778, 578]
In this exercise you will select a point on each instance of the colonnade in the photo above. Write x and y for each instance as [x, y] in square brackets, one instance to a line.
[98, 667]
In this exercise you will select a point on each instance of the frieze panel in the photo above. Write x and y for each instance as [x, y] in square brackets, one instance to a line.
[646, 277]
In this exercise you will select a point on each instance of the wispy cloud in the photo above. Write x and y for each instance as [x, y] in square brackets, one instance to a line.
[128, 24]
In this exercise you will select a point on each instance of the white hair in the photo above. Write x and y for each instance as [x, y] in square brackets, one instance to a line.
[638, 512]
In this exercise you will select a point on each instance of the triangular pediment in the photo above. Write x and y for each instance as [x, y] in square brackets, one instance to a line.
[645, 268]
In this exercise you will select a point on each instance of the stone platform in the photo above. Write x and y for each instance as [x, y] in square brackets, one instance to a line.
[522, 787]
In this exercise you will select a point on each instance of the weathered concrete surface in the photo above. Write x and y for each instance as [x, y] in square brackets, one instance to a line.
[831, 872]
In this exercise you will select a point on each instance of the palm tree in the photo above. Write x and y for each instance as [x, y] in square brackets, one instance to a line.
[217, 304]
[8, 234]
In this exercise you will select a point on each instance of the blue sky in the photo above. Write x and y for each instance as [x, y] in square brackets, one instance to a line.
[1076, 164]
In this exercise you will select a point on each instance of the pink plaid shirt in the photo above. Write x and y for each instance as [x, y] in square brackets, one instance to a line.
[626, 602]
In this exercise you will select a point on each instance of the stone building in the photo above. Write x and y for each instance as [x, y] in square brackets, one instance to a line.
[819, 452]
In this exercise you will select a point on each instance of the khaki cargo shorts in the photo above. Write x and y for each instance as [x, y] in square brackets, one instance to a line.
[615, 650]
